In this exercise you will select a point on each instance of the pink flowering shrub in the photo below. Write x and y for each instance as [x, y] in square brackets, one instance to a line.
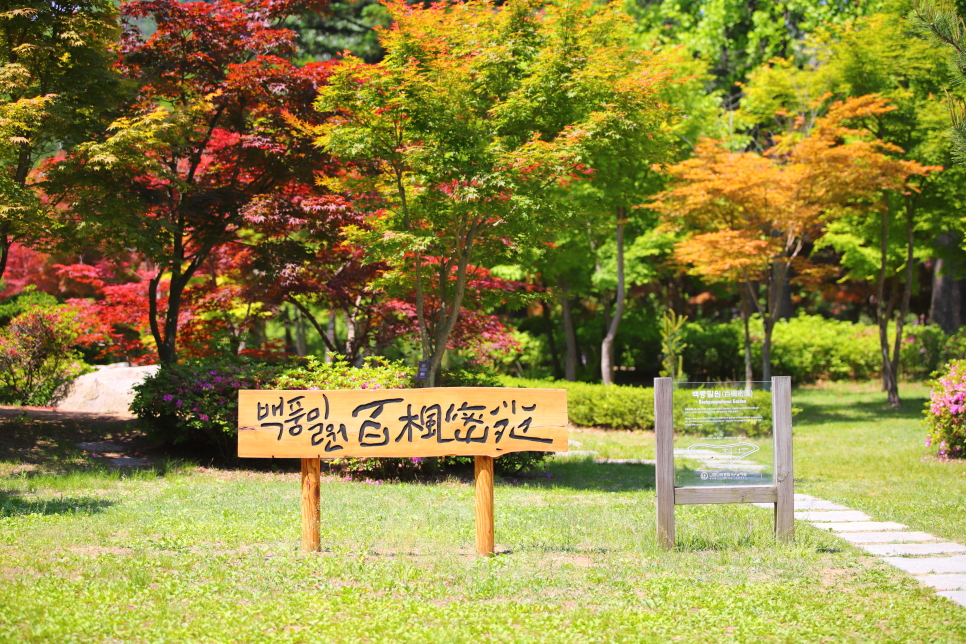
[36, 355]
[946, 411]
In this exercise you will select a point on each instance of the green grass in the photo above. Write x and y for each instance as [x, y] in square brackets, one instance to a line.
[193, 554]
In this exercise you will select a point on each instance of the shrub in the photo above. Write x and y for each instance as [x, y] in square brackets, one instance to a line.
[715, 351]
[923, 351]
[946, 411]
[196, 403]
[26, 300]
[811, 347]
[36, 356]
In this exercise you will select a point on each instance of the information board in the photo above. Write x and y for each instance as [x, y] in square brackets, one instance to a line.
[724, 435]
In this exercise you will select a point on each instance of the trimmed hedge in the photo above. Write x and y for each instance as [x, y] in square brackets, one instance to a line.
[594, 405]
[621, 407]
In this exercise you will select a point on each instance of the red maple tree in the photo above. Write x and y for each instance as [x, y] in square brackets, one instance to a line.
[209, 133]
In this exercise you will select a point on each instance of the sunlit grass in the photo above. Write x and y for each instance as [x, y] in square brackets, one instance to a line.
[179, 554]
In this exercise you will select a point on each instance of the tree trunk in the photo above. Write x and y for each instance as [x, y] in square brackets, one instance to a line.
[745, 316]
[769, 325]
[570, 336]
[350, 336]
[450, 313]
[551, 342]
[301, 342]
[946, 303]
[607, 346]
[4, 251]
[894, 400]
[782, 275]
[890, 365]
[330, 335]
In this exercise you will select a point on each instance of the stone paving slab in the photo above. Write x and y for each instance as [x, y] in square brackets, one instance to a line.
[847, 515]
[886, 537]
[958, 596]
[927, 565]
[944, 582]
[818, 504]
[860, 526]
[809, 504]
[888, 549]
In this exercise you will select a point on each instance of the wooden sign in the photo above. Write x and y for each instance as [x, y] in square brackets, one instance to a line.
[483, 422]
[444, 421]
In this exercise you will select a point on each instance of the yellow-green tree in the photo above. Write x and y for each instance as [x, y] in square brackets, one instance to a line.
[466, 135]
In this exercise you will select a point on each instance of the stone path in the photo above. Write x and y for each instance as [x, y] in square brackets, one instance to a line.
[933, 561]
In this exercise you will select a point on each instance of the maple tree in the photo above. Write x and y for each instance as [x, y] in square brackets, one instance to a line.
[55, 79]
[880, 254]
[207, 135]
[470, 126]
[749, 216]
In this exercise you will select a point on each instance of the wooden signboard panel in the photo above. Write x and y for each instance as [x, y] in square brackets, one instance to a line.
[452, 421]
[443, 421]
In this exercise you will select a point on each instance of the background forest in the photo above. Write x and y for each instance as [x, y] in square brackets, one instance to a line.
[567, 190]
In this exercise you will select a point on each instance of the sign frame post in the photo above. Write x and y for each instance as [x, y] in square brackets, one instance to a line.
[311, 495]
[781, 493]
[483, 480]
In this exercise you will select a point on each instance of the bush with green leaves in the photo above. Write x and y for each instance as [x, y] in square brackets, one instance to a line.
[26, 300]
[195, 404]
[811, 347]
[946, 412]
[36, 355]
[924, 349]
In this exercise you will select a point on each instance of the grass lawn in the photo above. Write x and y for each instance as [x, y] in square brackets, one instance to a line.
[177, 554]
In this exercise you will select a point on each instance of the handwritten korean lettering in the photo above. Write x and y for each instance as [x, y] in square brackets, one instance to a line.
[400, 420]
[370, 429]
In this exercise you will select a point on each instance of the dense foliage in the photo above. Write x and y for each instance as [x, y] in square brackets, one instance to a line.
[36, 355]
[946, 412]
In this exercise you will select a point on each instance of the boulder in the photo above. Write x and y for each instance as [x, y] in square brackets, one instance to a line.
[107, 390]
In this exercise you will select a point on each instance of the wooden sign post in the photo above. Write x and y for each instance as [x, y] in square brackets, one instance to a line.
[780, 492]
[483, 422]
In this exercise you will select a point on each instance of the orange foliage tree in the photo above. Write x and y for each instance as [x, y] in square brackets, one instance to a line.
[747, 217]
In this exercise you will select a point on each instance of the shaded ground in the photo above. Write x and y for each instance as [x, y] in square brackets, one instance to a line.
[32, 436]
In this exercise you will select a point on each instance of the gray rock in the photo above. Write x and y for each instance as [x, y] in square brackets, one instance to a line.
[100, 447]
[834, 515]
[129, 461]
[106, 390]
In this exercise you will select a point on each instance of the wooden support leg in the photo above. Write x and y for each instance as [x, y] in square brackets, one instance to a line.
[664, 469]
[310, 504]
[483, 466]
[781, 396]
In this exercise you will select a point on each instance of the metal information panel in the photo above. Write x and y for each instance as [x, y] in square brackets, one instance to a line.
[723, 434]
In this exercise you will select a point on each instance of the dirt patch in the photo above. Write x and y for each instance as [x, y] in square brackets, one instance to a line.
[96, 551]
[43, 436]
